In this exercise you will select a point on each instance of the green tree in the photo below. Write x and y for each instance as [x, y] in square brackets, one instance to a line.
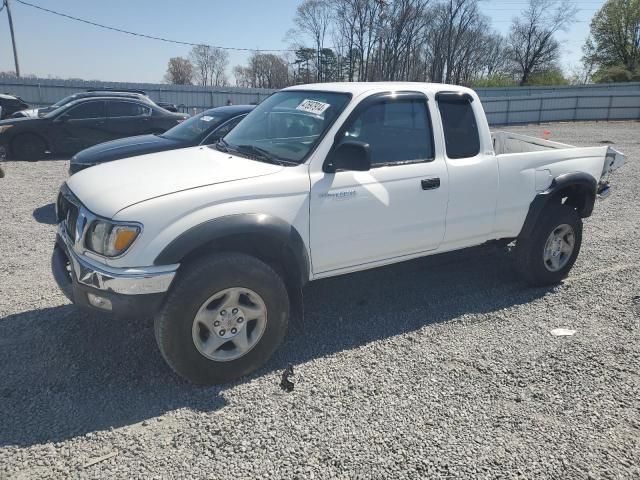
[496, 80]
[179, 71]
[304, 56]
[553, 76]
[615, 33]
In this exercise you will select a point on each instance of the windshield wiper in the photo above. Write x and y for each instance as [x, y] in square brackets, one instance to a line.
[223, 146]
[265, 155]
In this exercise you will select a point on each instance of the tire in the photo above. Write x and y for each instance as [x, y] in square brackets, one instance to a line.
[532, 260]
[29, 146]
[180, 337]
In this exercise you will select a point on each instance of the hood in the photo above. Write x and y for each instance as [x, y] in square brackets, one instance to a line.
[106, 189]
[124, 148]
[19, 120]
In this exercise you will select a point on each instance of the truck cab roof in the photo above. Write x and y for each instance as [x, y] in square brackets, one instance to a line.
[359, 88]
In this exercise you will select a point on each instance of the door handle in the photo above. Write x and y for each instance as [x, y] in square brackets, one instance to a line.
[430, 183]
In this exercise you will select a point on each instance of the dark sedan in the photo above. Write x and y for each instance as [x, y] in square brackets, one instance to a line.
[81, 124]
[203, 129]
[134, 94]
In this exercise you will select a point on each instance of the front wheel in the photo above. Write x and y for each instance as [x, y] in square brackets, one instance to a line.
[224, 318]
[547, 256]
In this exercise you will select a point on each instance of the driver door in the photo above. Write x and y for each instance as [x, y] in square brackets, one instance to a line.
[395, 210]
[80, 127]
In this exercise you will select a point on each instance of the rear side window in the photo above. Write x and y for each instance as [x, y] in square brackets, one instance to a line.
[126, 109]
[460, 129]
[397, 131]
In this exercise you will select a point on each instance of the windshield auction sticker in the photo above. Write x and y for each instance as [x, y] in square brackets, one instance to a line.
[313, 106]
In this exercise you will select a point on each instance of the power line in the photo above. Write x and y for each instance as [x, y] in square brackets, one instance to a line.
[239, 49]
[151, 37]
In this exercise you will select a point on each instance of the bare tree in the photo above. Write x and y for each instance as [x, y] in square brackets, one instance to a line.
[495, 55]
[418, 40]
[264, 70]
[532, 44]
[179, 71]
[210, 65]
[401, 28]
[313, 18]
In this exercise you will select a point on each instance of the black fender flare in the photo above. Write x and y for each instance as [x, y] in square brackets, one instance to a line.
[581, 181]
[261, 226]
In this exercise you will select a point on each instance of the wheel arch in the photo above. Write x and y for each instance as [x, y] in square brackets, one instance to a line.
[16, 138]
[271, 239]
[576, 189]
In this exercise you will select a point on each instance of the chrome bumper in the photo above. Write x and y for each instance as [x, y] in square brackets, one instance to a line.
[124, 281]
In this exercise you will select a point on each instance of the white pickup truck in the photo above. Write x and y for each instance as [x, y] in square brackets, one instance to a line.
[319, 180]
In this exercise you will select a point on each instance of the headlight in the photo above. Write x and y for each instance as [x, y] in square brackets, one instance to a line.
[110, 239]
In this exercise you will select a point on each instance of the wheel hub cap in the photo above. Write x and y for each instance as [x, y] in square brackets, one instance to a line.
[229, 324]
[559, 248]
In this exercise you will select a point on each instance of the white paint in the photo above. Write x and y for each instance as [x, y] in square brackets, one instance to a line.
[349, 221]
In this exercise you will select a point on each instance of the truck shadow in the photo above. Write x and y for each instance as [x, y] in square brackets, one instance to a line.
[66, 372]
[45, 214]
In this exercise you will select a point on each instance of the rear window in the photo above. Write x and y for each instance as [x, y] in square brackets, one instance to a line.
[460, 129]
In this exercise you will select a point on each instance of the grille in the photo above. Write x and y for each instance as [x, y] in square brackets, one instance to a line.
[68, 215]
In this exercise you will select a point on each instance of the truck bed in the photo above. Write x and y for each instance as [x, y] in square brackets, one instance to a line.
[525, 152]
[527, 165]
[506, 143]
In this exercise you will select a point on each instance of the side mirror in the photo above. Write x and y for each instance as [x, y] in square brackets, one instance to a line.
[350, 155]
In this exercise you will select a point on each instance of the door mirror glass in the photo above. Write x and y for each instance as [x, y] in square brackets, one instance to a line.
[350, 155]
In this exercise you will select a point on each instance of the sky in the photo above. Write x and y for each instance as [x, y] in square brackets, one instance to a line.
[52, 46]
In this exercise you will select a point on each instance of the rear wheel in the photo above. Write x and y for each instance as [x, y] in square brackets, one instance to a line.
[547, 256]
[29, 146]
[224, 318]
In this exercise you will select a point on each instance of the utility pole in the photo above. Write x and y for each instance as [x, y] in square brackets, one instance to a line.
[13, 38]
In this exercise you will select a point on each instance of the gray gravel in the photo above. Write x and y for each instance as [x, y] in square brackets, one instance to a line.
[436, 368]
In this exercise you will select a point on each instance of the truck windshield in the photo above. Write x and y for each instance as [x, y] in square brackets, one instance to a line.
[287, 125]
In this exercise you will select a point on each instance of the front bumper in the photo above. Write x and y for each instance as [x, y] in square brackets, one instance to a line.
[122, 291]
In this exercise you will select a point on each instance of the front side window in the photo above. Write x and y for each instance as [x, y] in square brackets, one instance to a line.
[86, 110]
[126, 109]
[287, 125]
[461, 135]
[397, 131]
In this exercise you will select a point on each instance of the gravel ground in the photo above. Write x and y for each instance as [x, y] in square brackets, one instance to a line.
[437, 368]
